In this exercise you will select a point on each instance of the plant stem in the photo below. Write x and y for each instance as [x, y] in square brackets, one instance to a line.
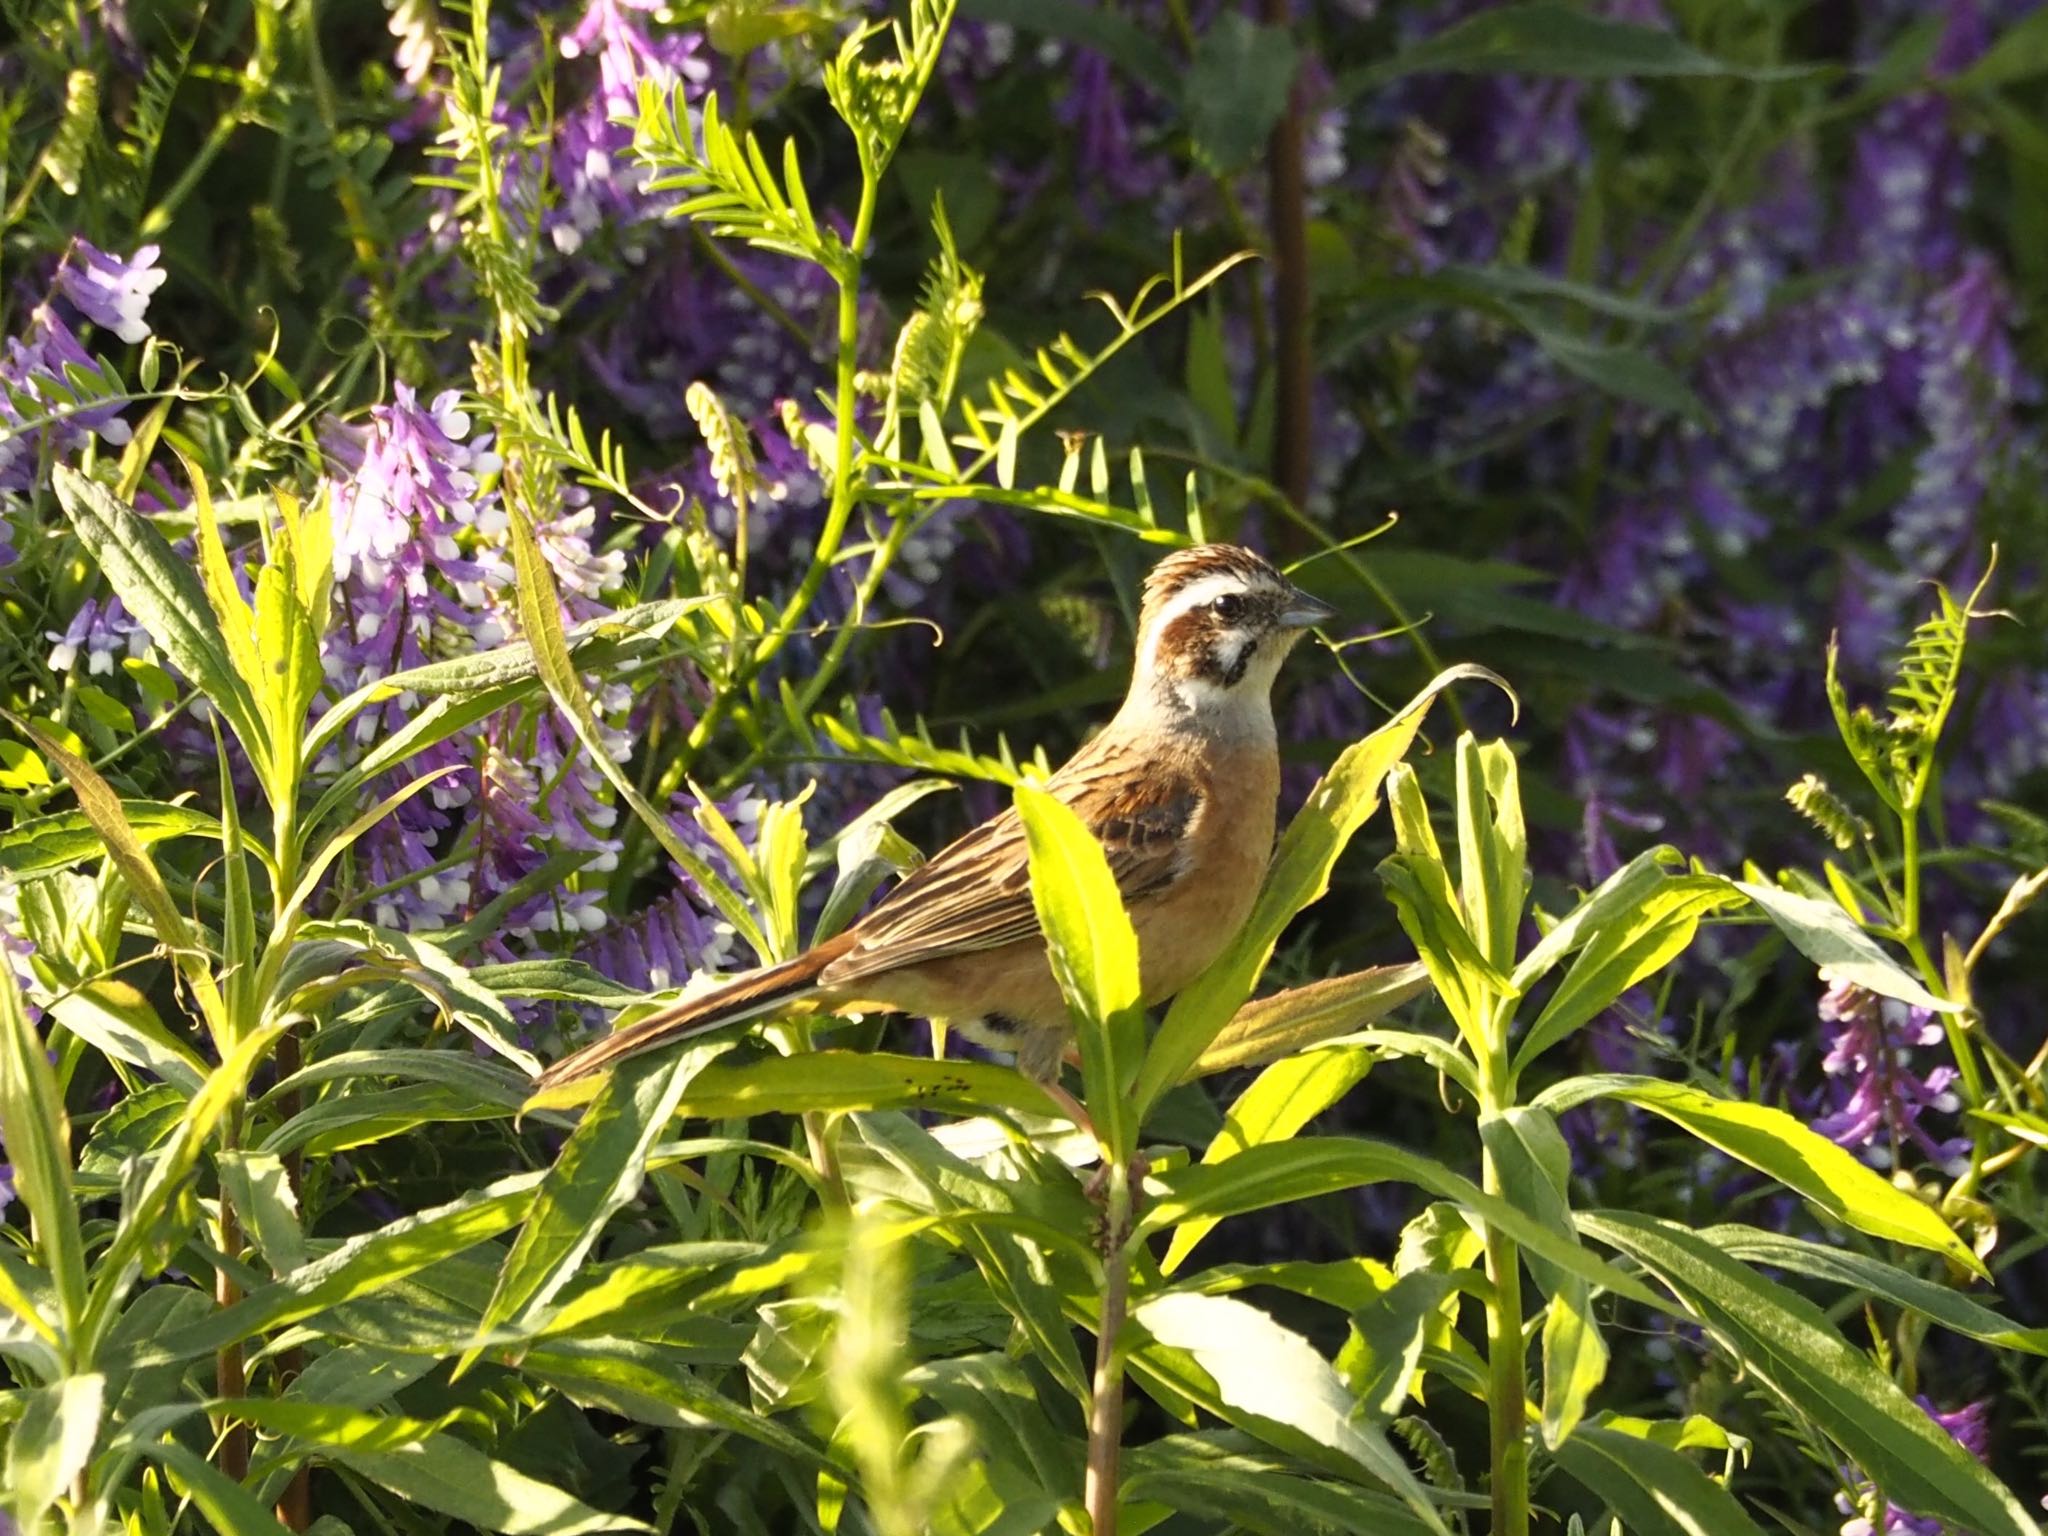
[1106, 1393]
[1507, 1395]
[844, 410]
[230, 1374]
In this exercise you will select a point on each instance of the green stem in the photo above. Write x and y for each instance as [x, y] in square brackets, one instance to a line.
[1507, 1394]
[844, 407]
[1507, 1391]
[1106, 1392]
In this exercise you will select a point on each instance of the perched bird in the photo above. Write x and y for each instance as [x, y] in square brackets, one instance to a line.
[1180, 789]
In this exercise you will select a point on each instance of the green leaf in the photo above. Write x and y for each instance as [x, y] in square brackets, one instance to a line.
[652, 1385]
[1787, 1344]
[430, 970]
[433, 1469]
[1347, 796]
[1542, 37]
[1774, 1143]
[1420, 888]
[837, 1081]
[289, 646]
[1493, 847]
[599, 1170]
[1627, 372]
[118, 1021]
[1270, 1381]
[37, 1135]
[260, 1191]
[159, 1199]
[100, 805]
[1621, 892]
[1280, 1172]
[1220, 1477]
[1655, 1490]
[2020, 52]
[230, 1507]
[1236, 90]
[164, 594]
[1829, 937]
[1279, 1102]
[48, 843]
[360, 1266]
[1623, 947]
[895, 1159]
[540, 617]
[50, 1445]
[1938, 1303]
[1094, 954]
[1533, 1167]
[1381, 1361]
[1302, 1017]
[1574, 1362]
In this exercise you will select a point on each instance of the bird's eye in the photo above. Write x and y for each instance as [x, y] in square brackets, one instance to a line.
[1229, 606]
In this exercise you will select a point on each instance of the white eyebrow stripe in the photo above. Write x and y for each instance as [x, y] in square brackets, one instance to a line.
[1196, 594]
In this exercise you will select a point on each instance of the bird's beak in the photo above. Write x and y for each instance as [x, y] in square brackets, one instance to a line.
[1305, 612]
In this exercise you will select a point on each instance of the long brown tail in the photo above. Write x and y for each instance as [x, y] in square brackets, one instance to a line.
[744, 997]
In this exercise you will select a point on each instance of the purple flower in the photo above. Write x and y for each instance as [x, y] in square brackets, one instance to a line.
[109, 291]
[664, 945]
[102, 633]
[39, 368]
[626, 53]
[1878, 1097]
[1969, 1424]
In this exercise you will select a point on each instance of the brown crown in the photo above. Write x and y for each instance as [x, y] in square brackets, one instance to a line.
[1185, 566]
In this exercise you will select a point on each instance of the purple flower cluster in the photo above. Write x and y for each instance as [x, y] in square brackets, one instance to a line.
[423, 573]
[1877, 1097]
[1970, 1424]
[53, 392]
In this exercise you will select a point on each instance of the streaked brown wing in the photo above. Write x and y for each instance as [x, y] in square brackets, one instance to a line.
[975, 893]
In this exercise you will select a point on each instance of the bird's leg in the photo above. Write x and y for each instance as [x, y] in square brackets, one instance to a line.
[1068, 1105]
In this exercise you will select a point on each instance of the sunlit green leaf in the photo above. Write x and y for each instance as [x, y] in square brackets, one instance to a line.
[1774, 1143]
[1787, 1344]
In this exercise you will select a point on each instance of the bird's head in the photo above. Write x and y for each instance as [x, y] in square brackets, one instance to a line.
[1216, 623]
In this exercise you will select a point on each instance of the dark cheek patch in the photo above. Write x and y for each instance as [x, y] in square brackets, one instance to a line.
[1194, 645]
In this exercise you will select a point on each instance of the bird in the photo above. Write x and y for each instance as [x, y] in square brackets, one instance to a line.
[1181, 789]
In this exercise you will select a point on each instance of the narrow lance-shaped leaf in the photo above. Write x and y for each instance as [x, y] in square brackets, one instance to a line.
[1268, 1028]
[1938, 1303]
[1622, 949]
[540, 617]
[1787, 1344]
[53, 842]
[102, 807]
[50, 1444]
[37, 1134]
[1657, 1491]
[432, 1469]
[1492, 847]
[1279, 1102]
[599, 1170]
[164, 594]
[1094, 954]
[1829, 937]
[1271, 1381]
[1774, 1143]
